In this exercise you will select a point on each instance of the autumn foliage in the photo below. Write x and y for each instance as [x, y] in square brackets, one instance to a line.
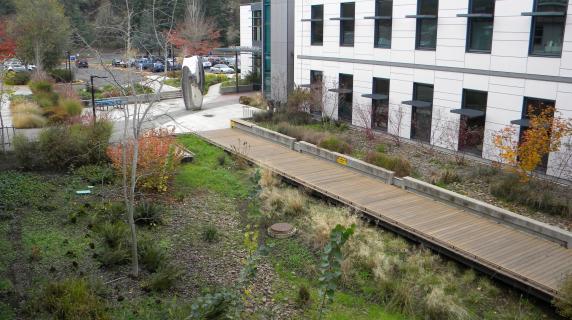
[543, 135]
[158, 158]
[7, 44]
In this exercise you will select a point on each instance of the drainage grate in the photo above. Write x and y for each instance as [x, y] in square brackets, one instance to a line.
[208, 115]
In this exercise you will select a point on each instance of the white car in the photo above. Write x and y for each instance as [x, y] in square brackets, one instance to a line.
[15, 67]
[207, 64]
[222, 68]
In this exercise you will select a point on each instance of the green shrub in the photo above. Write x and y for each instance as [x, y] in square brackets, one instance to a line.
[26, 152]
[17, 78]
[264, 116]
[535, 195]
[220, 305]
[111, 257]
[63, 146]
[113, 234]
[72, 107]
[210, 233]
[148, 213]
[563, 301]
[111, 212]
[399, 165]
[381, 148]
[165, 278]
[73, 299]
[96, 174]
[335, 144]
[303, 296]
[299, 100]
[46, 100]
[212, 79]
[151, 255]
[232, 83]
[62, 75]
[41, 86]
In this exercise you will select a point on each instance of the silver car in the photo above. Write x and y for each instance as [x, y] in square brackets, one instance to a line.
[222, 68]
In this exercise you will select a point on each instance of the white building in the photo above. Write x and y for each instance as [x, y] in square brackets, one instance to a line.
[418, 68]
[445, 72]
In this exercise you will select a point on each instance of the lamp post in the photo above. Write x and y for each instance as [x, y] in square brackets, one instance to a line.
[93, 94]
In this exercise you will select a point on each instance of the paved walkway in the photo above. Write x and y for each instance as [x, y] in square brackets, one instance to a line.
[510, 254]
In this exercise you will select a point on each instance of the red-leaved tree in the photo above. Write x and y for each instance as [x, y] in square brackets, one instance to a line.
[196, 35]
[7, 44]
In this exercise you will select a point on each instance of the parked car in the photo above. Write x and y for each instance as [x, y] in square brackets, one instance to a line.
[174, 67]
[118, 63]
[31, 67]
[222, 68]
[157, 67]
[15, 67]
[143, 64]
[207, 64]
[82, 63]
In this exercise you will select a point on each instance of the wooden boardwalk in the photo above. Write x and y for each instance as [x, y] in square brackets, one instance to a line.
[522, 259]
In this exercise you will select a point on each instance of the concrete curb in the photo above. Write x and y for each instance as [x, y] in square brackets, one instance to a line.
[263, 132]
[506, 217]
[344, 160]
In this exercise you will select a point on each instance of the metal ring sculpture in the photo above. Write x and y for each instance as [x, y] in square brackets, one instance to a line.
[193, 82]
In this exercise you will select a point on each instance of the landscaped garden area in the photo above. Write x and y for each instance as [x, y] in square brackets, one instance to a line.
[540, 199]
[203, 249]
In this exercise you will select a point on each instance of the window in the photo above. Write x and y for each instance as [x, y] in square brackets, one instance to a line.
[317, 25]
[266, 52]
[256, 27]
[422, 113]
[347, 24]
[472, 125]
[345, 97]
[548, 21]
[534, 106]
[383, 20]
[480, 26]
[316, 87]
[426, 36]
[380, 105]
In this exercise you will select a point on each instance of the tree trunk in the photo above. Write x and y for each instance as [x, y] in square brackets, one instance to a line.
[131, 209]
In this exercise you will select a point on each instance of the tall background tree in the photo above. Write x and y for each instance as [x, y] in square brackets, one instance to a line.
[42, 32]
[7, 44]
[197, 34]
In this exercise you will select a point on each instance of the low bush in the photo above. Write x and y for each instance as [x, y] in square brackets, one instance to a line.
[278, 203]
[62, 146]
[151, 255]
[165, 278]
[210, 233]
[148, 213]
[26, 152]
[399, 165]
[27, 115]
[533, 194]
[71, 107]
[62, 75]
[158, 159]
[41, 86]
[264, 116]
[113, 234]
[245, 100]
[212, 79]
[111, 257]
[381, 148]
[17, 78]
[563, 301]
[335, 144]
[96, 174]
[303, 298]
[73, 299]
[220, 305]
[449, 176]
[46, 100]
[232, 83]
[299, 100]
[175, 74]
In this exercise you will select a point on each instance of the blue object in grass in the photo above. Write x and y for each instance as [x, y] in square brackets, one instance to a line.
[82, 192]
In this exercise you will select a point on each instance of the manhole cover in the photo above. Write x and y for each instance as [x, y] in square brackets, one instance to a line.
[281, 230]
[208, 115]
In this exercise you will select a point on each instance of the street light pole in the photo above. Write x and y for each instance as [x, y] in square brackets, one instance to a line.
[236, 69]
[93, 95]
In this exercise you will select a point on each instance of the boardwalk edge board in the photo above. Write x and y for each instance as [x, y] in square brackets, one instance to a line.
[554, 234]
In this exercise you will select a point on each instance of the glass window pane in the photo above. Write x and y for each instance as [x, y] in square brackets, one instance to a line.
[348, 10]
[483, 6]
[428, 7]
[421, 117]
[551, 5]
[317, 27]
[548, 35]
[384, 8]
[345, 99]
[383, 33]
[481, 34]
[426, 33]
[380, 111]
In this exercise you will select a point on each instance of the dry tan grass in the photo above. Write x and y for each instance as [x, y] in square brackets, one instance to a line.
[27, 115]
[268, 179]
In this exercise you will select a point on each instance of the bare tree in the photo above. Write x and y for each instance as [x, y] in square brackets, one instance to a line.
[395, 124]
[365, 116]
[197, 35]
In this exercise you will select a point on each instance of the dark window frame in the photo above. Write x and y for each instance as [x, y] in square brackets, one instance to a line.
[532, 34]
[416, 86]
[314, 24]
[378, 22]
[418, 25]
[317, 91]
[483, 118]
[257, 27]
[471, 21]
[341, 97]
[377, 102]
[343, 20]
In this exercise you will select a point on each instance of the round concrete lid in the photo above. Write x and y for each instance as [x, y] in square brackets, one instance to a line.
[281, 228]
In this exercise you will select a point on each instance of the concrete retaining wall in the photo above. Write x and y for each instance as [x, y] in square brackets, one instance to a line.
[383, 174]
[557, 235]
[264, 133]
